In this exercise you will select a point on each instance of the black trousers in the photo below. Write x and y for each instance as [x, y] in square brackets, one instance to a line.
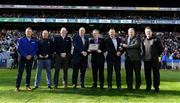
[61, 63]
[131, 66]
[98, 66]
[152, 66]
[80, 64]
[116, 64]
[23, 63]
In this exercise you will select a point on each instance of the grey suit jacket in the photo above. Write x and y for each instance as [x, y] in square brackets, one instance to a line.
[133, 51]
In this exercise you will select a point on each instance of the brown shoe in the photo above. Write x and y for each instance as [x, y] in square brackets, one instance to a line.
[28, 88]
[17, 90]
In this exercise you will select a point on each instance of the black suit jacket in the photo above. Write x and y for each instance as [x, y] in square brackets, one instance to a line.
[95, 55]
[111, 51]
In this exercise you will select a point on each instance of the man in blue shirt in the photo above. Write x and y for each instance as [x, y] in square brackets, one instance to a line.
[112, 45]
[27, 48]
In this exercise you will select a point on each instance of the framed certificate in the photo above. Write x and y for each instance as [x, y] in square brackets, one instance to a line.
[93, 47]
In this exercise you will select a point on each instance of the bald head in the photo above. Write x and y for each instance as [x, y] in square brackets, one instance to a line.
[95, 33]
[112, 33]
[82, 31]
[148, 32]
[63, 31]
[28, 32]
[45, 34]
[131, 32]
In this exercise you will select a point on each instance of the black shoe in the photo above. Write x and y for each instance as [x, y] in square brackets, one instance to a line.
[65, 86]
[93, 87]
[109, 88]
[137, 88]
[82, 86]
[102, 87]
[156, 90]
[130, 88]
[36, 87]
[55, 87]
[119, 89]
[50, 87]
[148, 90]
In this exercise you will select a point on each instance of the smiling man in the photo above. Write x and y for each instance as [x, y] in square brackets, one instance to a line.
[27, 48]
[152, 49]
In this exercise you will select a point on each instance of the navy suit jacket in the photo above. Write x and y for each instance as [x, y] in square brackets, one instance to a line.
[79, 47]
[111, 51]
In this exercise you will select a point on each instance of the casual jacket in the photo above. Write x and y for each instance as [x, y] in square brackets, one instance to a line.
[27, 47]
[45, 47]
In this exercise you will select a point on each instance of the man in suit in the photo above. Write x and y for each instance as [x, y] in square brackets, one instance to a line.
[97, 59]
[44, 55]
[62, 46]
[152, 49]
[112, 45]
[27, 49]
[80, 57]
[132, 49]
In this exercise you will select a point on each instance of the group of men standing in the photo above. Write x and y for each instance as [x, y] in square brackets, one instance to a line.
[60, 48]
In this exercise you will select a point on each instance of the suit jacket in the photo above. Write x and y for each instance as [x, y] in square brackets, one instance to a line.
[78, 48]
[133, 51]
[156, 48]
[95, 55]
[111, 51]
[62, 45]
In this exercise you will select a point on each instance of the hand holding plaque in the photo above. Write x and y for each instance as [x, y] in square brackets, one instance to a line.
[93, 47]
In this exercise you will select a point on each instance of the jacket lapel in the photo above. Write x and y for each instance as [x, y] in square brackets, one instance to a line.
[111, 42]
[81, 42]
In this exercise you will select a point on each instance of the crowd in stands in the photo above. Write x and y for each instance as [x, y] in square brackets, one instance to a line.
[170, 41]
[8, 43]
[92, 15]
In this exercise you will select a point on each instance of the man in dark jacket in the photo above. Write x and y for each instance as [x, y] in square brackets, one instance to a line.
[152, 49]
[97, 59]
[27, 49]
[113, 58]
[62, 46]
[132, 48]
[45, 51]
[80, 57]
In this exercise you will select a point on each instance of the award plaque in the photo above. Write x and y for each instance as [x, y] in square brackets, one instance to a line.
[93, 47]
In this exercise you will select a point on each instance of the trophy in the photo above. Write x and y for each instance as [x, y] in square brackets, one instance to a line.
[120, 47]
